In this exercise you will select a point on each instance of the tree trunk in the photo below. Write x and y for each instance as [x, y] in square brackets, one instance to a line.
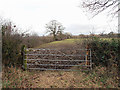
[55, 37]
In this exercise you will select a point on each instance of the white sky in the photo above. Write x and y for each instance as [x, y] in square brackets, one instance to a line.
[34, 14]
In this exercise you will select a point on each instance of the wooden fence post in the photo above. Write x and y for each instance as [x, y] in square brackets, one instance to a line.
[24, 57]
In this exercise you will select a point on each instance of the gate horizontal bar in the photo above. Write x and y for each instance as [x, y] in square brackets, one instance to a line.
[56, 69]
[52, 60]
[51, 69]
[56, 55]
[56, 65]
[52, 49]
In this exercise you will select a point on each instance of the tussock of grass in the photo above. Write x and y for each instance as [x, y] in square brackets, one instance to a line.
[15, 78]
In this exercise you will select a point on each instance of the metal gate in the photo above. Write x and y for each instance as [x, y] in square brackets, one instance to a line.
[58, 59]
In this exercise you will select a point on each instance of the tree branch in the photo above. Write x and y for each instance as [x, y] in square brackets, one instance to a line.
[97, 6]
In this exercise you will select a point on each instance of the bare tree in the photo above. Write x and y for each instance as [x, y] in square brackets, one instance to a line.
[55, 28]
[97, 6]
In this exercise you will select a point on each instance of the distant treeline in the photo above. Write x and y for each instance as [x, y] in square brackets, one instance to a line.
[109, 35]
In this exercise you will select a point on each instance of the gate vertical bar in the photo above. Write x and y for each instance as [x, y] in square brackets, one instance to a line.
[86, 57]
[90, 59]
[87, 53]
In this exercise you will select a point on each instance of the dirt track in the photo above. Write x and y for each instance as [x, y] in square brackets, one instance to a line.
[56, 79]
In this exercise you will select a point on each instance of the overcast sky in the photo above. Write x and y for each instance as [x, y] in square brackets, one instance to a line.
[34, 14]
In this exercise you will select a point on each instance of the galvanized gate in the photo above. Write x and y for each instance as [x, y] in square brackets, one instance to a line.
[58, 59]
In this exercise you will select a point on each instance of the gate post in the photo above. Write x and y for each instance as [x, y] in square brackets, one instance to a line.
[87, 53]
[24, 57]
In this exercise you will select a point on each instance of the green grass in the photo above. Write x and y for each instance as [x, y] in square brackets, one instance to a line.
[67, 42]
[54, 43]
[108, 39]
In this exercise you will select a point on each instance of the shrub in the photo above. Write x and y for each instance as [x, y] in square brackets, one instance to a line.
[11, 45]
[104, 51]
[33, 41]
[12, 42]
